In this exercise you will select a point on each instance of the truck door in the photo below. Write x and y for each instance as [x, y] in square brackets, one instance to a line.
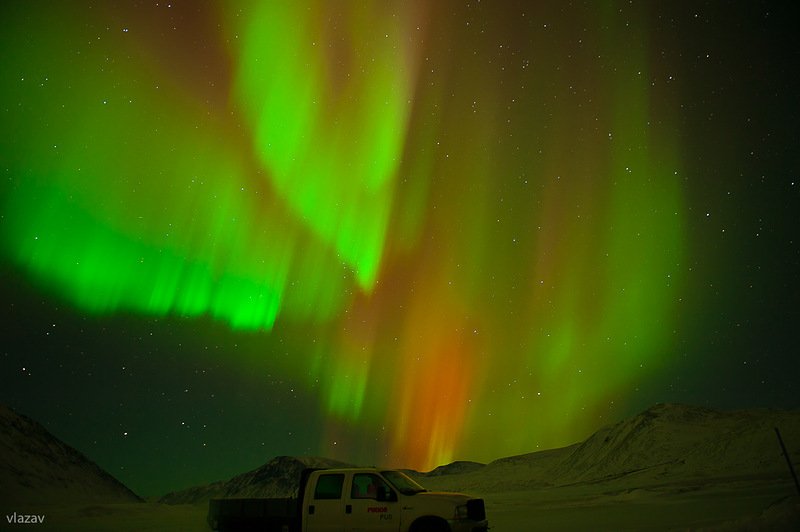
[325, 509]
[371, 505]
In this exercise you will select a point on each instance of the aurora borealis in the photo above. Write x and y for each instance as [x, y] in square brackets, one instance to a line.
[402, 233]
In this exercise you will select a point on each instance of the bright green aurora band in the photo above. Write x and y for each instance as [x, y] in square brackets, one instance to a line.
[473, 249]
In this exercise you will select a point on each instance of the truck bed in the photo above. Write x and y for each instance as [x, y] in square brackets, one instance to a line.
[245, 515]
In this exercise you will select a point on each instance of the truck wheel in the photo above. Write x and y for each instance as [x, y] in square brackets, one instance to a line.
[431, 526]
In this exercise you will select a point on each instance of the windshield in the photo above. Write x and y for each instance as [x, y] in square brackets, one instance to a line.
[404, 485]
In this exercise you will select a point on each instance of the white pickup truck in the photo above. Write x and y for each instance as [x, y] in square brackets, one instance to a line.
[364, 500]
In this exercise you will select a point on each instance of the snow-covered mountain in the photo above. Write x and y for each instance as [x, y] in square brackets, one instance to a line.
[665, 443]
[675, 445]
[37, 468]
[455, 468]
[280, 477]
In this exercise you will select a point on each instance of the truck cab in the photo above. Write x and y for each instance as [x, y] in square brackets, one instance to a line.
[384, 500]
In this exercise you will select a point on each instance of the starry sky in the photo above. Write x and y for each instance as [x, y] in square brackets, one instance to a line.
[396, 233]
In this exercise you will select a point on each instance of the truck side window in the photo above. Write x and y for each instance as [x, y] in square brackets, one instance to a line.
[329, 486]
[368, 486]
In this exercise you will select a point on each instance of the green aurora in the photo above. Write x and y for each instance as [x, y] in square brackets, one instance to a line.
[137, 203]
[476, 216]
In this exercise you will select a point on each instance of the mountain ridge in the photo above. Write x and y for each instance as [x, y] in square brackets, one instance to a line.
[36, 466]
[665, 443]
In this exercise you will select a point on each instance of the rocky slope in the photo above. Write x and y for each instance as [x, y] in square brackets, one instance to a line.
[36, 468]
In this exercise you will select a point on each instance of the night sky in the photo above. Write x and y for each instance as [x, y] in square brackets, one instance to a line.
[391, 233]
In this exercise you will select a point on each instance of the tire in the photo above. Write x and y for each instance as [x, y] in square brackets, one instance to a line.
[430, 525]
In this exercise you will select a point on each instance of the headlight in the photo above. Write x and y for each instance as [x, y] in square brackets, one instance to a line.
[461, 512]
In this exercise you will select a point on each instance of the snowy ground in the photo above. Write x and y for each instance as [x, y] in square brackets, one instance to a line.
[737, 506]
[610, 506]
[123, 517]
